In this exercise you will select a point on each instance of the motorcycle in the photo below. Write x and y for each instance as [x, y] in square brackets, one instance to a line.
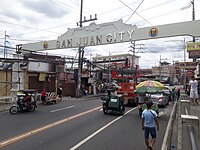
[20, 104]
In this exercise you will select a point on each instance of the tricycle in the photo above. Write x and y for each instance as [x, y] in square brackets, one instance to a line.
[25, 101]
[113, 103]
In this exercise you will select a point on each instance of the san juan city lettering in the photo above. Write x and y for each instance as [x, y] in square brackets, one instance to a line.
[96, 39]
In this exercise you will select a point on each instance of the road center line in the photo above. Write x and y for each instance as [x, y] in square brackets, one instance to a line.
[98, 131]
[62, 109]
[32, 132]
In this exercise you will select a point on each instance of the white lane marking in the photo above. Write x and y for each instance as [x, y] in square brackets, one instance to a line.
[161, 113]
[98, 131]
[38, 130]
[62, 109]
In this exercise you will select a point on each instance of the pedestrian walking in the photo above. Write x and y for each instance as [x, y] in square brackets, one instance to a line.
[193, 85]
[43, 96]
[149, 118]
[59, 92]
[173, 94]
[178, 93]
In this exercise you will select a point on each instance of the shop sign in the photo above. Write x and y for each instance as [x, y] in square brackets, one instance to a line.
[194, 53]
[193, 46]
[42, 76]
[186, 65]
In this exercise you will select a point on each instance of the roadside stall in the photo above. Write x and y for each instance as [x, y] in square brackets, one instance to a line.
[144, 90]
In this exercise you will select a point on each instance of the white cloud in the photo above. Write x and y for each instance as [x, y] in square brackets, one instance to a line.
[47, 19]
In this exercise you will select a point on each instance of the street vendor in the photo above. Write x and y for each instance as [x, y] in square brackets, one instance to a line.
[141, 99]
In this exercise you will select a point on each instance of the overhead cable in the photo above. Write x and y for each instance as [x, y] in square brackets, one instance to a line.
[134, 12]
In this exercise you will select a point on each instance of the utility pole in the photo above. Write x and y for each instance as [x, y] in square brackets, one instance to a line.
[109, 65]
[134, 47]
[193, 18]
[81, 51]
[184, 71]
[4, 50]
[133, 59]
[160, 69]
[5, 64]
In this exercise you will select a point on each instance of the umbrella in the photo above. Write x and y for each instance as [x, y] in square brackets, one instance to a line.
[149, 87]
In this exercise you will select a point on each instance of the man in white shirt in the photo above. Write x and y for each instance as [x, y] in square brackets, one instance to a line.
[193, 90]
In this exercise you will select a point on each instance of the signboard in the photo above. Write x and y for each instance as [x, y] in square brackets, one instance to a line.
[112, 33]
[194, 54]
[193, 46]
[42, 76]
[186, 65]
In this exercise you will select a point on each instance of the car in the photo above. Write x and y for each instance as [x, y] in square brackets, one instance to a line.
[168, 93]
[160, 98]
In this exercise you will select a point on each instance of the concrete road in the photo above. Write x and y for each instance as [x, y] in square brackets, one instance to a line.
[76, 124]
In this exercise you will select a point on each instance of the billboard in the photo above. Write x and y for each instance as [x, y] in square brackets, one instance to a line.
[186, 65]
[193, 46]
[193, 50]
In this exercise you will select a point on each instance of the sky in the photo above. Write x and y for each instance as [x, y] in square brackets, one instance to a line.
[28, 21]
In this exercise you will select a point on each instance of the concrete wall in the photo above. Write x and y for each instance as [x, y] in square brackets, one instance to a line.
[5, 82]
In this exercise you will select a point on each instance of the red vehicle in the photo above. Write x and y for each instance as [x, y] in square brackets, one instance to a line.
[126, 83]
[126, 89]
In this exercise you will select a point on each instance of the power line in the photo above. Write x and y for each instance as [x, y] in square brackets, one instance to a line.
[61, 4]
[46, 29]
[161, 15]
[117, 8]
[136, 12]
[26, 26]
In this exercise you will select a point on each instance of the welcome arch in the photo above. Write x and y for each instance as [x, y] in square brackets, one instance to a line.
[112, 33]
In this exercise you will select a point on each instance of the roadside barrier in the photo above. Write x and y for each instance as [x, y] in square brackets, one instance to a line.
[166, 145]
[188, 134]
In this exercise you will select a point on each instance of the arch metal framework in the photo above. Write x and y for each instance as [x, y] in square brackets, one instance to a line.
[114, 32]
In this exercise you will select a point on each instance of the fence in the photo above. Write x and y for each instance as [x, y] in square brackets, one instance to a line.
[188, 125]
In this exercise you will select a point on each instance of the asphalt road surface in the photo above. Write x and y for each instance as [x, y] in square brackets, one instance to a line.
[76, 124]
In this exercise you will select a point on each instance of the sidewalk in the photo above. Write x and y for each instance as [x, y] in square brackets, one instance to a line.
[5, 107]
[177, 127]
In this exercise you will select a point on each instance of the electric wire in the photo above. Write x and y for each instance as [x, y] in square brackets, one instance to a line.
[58, 3]
[58, 26]
[66, 24]
[134, 12]
[117, 8]
[26, 26]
